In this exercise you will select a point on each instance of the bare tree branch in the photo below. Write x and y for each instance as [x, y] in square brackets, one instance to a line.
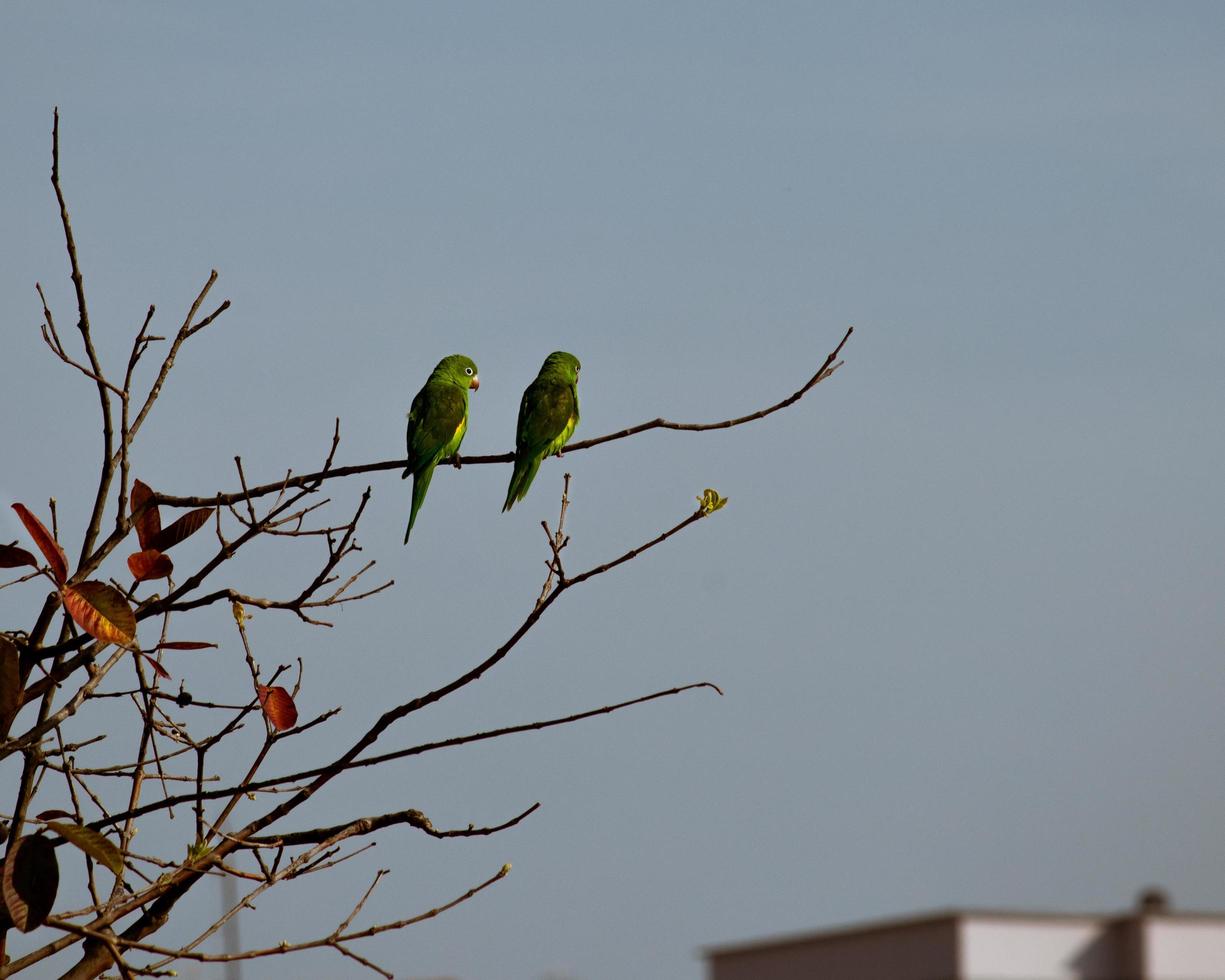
[827, 368]
[78, 284]
[368, 825]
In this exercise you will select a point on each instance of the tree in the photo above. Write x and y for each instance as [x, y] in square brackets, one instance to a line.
[88, 629]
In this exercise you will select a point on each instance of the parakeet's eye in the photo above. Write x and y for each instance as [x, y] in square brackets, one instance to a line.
[468, 371]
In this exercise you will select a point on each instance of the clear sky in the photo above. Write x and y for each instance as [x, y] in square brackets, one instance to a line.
[965, 602]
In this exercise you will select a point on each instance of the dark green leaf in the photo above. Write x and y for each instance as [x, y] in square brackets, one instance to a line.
[92, 843]
[13, 557]
[10, 684]
[31, 879]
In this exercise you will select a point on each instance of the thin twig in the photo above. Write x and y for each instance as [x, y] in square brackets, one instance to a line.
[279, 950]
[557, 541]
[271, 783]
[368, 825]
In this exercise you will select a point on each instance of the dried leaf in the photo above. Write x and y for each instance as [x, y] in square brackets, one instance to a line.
[149, 564]
[92, 843]
[10, 684]
[145, 515]
[102, 611]
[185, 645]
[13, 557]
[183, 528]
[52, 815]
[278, 706]
[31, 879]
[46, 543]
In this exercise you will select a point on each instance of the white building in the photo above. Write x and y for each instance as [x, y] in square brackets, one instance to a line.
[1151, 942]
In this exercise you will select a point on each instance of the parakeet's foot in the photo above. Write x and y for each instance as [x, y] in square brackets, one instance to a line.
[456, 461]
[558, 454]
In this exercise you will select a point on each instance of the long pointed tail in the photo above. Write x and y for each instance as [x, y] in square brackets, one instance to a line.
[520, 480]
[421, 483]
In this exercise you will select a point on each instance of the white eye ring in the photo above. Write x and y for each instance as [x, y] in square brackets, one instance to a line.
[468, 371]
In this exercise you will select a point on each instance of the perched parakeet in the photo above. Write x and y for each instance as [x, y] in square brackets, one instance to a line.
[548, 415]
[437, 422]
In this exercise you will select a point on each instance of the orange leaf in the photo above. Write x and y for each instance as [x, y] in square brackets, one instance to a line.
[13, 557]
[184, 527]
[145, 515]
[46, 543]
[278, 706]
[148, 564]
[102, 611]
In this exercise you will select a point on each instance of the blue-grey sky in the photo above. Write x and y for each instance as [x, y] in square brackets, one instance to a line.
[965, 603]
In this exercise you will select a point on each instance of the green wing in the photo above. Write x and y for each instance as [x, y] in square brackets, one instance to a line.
[548, 415]
[437, 422]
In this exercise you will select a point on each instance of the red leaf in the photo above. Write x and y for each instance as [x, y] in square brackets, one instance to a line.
[13, 557]
[184, 527]
[52, 815]
[185, 645]
[158, 669]
[46, 544]
[31, 879]
[102, 611]
[278, 706]
[145, 515]
[149, 564]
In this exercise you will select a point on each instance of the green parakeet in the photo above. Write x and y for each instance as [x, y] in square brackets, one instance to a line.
[437, 422]
[548, 415]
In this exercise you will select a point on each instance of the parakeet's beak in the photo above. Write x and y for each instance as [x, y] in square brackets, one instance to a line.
[476, 382]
